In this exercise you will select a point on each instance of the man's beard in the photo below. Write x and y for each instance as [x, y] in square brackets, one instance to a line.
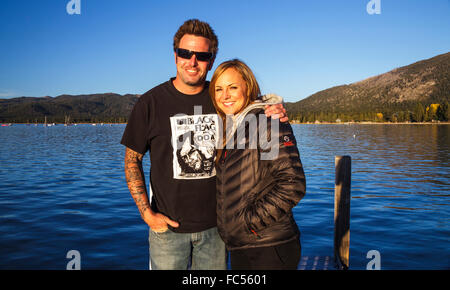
[192, 83]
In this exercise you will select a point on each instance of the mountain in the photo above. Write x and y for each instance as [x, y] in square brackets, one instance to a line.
[416, 92]
[108, 107]
[392, 94]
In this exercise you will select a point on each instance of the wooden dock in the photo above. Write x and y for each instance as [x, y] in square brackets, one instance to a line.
[343, 168]
[316, 263]
[340, 258]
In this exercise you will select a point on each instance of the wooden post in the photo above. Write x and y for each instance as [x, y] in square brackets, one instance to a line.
[342, 211]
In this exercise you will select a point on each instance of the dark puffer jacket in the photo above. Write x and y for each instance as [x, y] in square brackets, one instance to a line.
[255, 197]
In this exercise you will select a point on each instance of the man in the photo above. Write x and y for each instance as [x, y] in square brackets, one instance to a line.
[176, 122]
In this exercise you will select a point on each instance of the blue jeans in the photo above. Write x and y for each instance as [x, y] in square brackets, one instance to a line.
[176, 251]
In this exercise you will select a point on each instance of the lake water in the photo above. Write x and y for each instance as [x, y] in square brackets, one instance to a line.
[63, 188]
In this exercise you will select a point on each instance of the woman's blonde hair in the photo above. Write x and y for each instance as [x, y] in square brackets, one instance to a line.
[252, 92]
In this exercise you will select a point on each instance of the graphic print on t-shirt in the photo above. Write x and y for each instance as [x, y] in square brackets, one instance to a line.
[194, 139]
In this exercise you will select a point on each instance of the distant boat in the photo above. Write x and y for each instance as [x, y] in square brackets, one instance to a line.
[6, 125]
[67, 121]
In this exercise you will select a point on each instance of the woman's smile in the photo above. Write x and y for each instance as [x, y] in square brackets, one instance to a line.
[230, 90]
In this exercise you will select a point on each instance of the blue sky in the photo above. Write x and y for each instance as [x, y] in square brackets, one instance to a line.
[295, 48]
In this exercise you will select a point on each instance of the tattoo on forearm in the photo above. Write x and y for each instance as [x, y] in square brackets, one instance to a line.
[135, 177]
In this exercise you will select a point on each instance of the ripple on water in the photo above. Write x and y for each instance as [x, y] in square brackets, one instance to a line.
[62, 188]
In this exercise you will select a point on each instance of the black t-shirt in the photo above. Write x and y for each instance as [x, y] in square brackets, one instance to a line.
[182, 177]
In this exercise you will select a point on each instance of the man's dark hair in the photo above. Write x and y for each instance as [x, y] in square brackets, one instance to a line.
[197, 28]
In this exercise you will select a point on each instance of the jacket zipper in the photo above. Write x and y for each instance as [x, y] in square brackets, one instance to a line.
[224, 156]
[256, 234]
[223, 192]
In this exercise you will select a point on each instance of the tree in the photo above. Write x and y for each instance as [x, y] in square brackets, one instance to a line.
[431, 112]
[442, 112]
[379, 117]
[419, 113]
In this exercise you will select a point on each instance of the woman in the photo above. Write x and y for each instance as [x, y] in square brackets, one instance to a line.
[255, 196]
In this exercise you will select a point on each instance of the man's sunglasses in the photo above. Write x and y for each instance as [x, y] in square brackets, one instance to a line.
[187, 54]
